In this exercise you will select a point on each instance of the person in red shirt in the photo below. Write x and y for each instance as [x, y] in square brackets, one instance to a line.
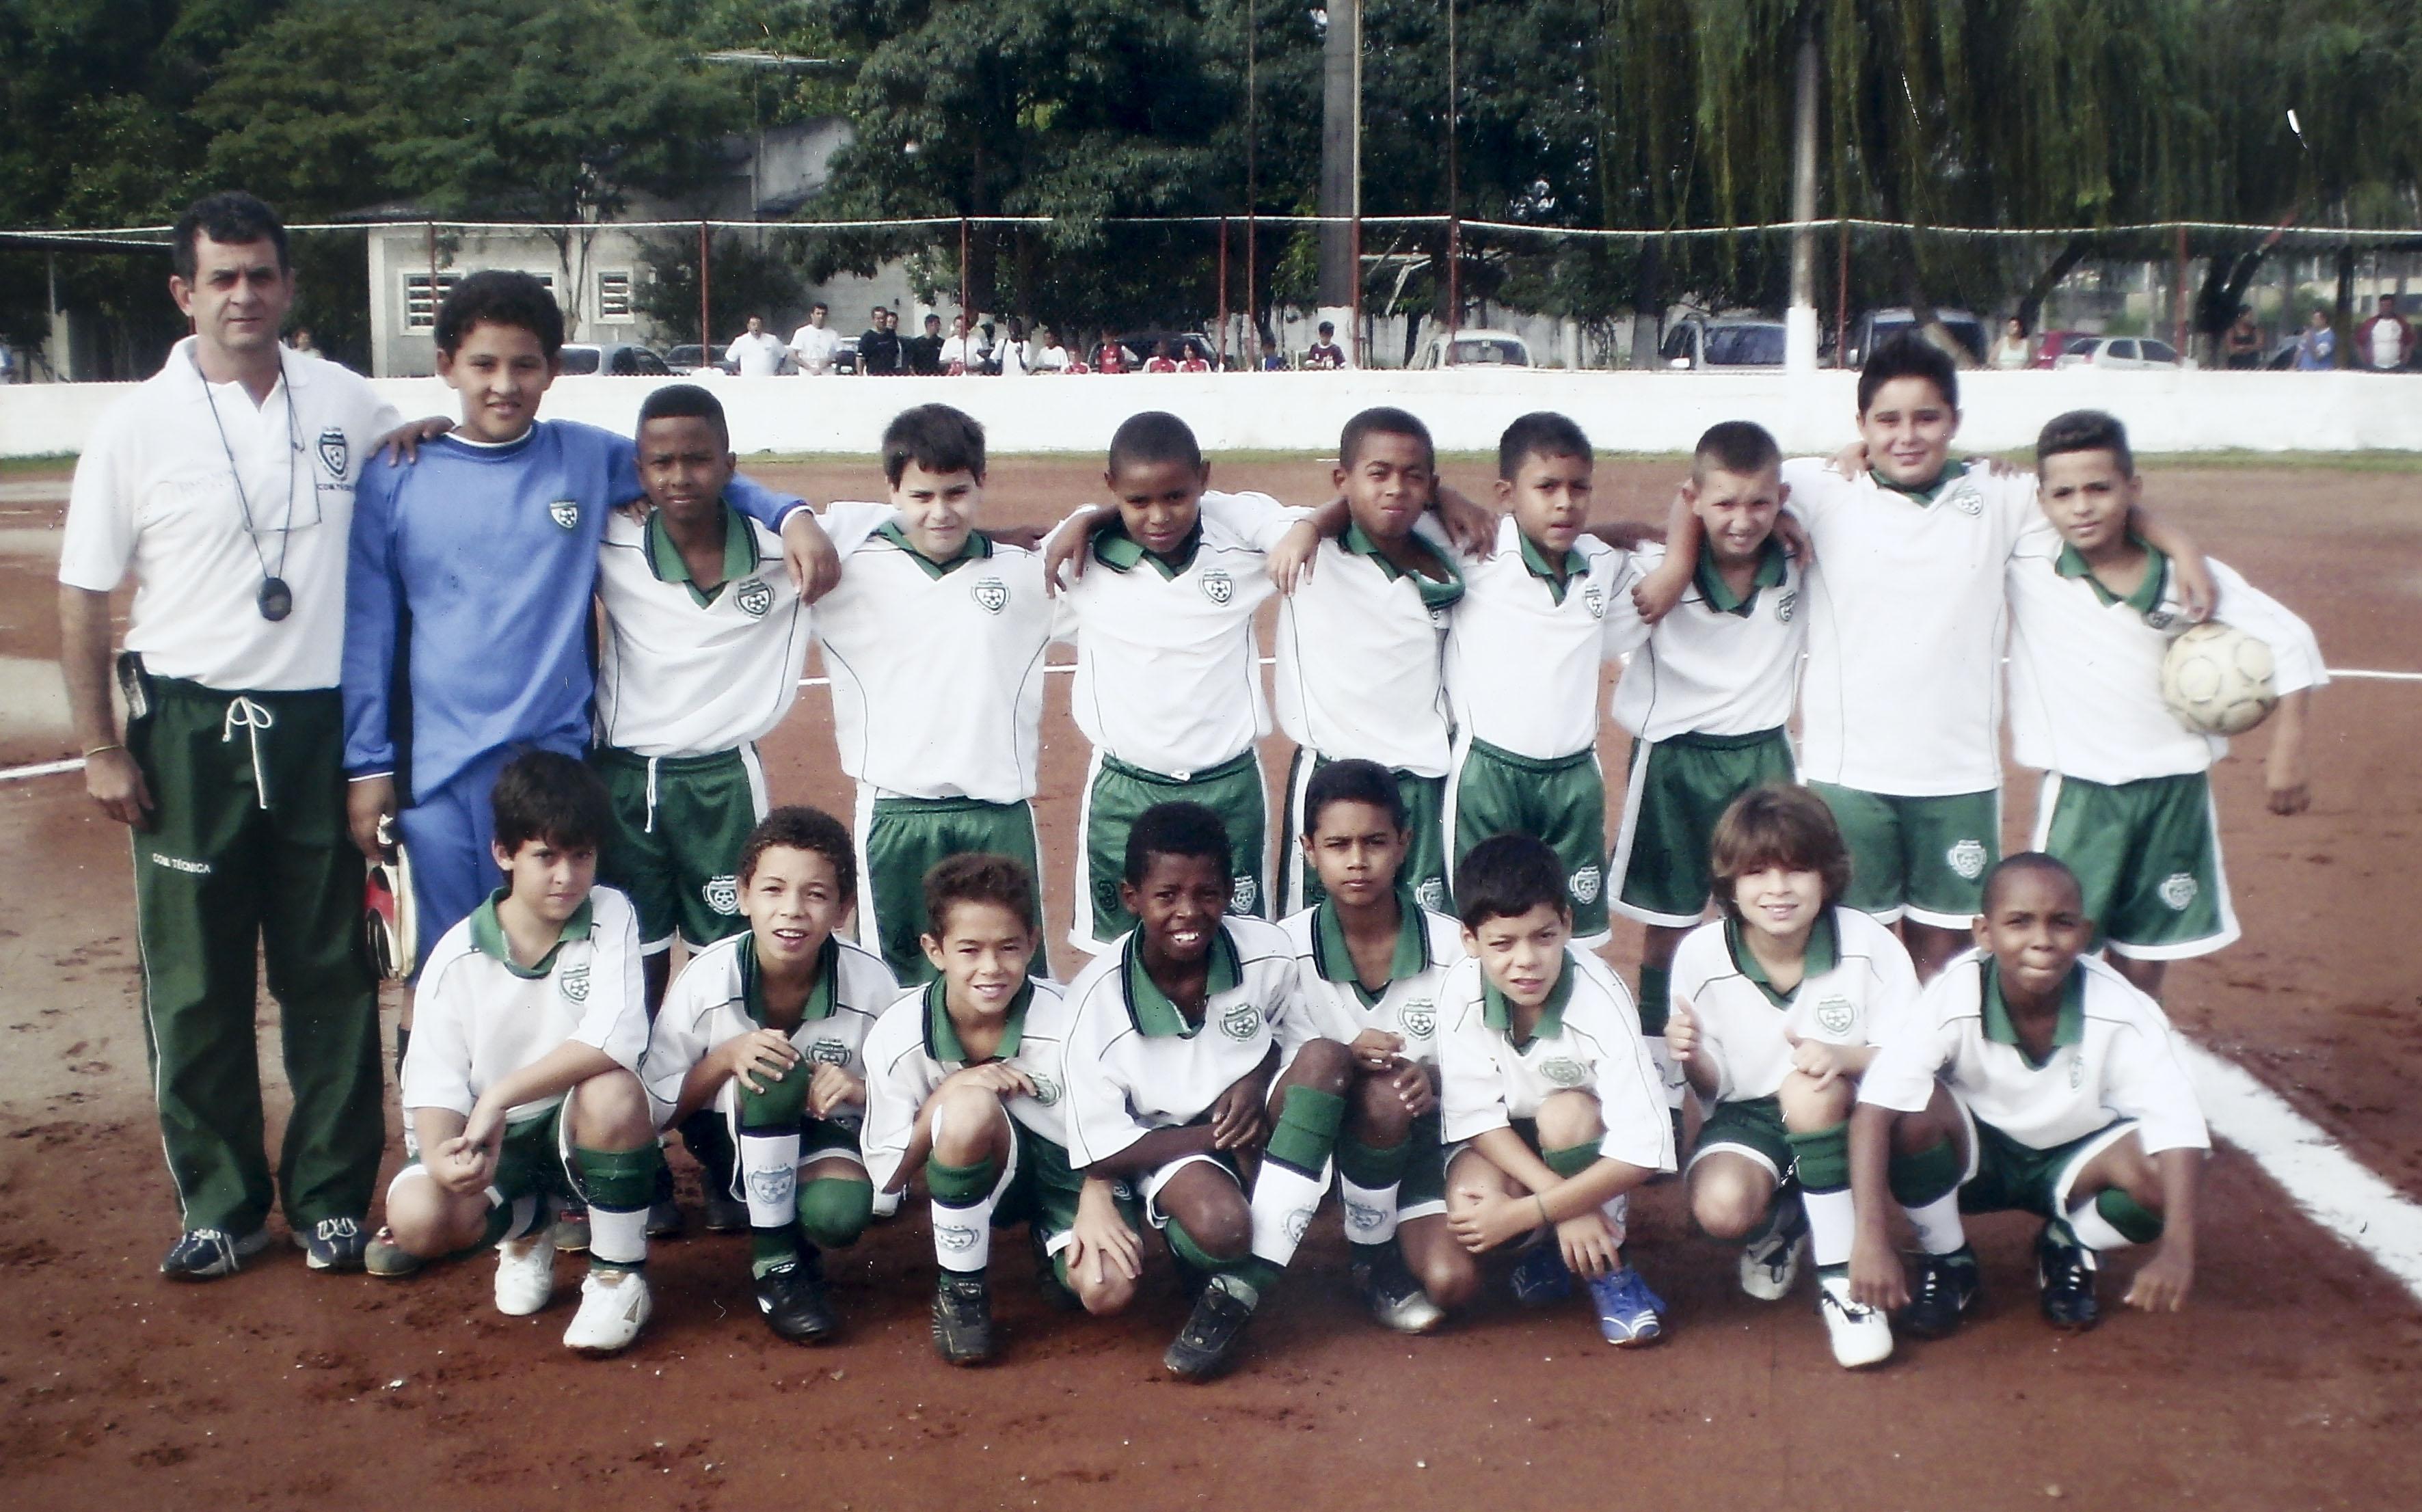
[1160, 360]
[1110, 357]
[1193, 362]
[2384, 342]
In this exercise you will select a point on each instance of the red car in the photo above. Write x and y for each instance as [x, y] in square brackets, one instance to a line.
[2051, 344]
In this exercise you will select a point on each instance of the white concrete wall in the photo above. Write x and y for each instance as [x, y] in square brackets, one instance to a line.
[1465, 409]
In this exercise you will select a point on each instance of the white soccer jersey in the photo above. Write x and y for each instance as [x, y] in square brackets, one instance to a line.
[155, 494]
[1718, 665]
[2086, 669]
[1858, 983]
[1169, 674]
[1587, 1039]
[717, 998]
[936, 668]
[1522, 658]
[2113, 1057]
[1132, 1065]
[1905, 617]
[480, 1017]
[1360, 650]
[914, 1045]
[1427, 947]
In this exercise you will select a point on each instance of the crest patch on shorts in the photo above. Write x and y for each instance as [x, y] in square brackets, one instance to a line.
[1218, 586]
[1584, 884]
[753, 597]
[991, 595]
[2178, 890]
[1244, 896]
[1967, 859]
[1431, 893]
[565, 513]
[722, 894]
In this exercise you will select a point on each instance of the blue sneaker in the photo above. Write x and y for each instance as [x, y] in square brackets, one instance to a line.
[1540, 1277]
[1627, 1309]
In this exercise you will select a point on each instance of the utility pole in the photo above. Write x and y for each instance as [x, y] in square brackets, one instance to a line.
[1341, 150]
[1800, 321]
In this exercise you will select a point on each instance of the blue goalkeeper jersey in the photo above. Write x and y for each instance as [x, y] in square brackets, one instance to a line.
[475, 566]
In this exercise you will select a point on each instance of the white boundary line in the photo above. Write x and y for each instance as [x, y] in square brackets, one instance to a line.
[2333, 1188]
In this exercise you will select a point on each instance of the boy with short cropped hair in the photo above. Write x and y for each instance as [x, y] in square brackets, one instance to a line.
[1523, 654]
[523, 1082]
[1370, 961]
[934, 641]
[766, 1029]
[1777, 1009]
[2127, 796]
[1189, 1044]
[965, 1085]
[1549, 1100]
[2030, 1077]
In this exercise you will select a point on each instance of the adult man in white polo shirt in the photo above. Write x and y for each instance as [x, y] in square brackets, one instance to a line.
[225, 484]
[757, 352]
[813, 345]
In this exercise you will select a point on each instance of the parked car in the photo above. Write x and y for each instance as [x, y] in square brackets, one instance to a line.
[2120, 352]
[1697, 343]
[2051, 344]
[1474, 348]
[690, 357]
[613, 359]
[1880, 326]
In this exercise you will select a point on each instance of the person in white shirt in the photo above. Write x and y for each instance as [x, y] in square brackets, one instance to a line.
[757, 352]
[1049, 355]
[814, 344]
[960, 353]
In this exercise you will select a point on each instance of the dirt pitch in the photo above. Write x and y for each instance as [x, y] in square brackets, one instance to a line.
[2295, 1381]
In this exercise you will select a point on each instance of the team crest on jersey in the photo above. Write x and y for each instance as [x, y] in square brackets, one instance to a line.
[2159, 619]
[1218, 586]
[1419, 1020]
[1431, 893]
[773, 1184]
[2178, 890]
[753, 597]
[991, 595]
[1786, 606]
[1962, 495]
[572, 982]
[828, 1052]
[2077, 1071]
[1244, 896]
[1967, 859]
[1563, 1071]
[1834, 1015]
[565, 513]
[1594, 599]
[1584, 884]
[335, 454]
[722, 894]
[1240, 1020]
[1046, 1087]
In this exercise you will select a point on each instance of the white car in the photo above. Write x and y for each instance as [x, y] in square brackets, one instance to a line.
[1474, 348]
[2118, 351]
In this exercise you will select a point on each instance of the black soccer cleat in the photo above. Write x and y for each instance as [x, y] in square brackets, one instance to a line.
[2065, 1282]
[792, 1296]
[1941, 1293]
[1200, 1350]
[963, 1318]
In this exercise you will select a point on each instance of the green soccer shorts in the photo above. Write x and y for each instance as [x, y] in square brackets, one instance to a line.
[1751, 1127]
[899, 839]
[1493, 792]
[2005, 1176]
[1920, 858]
[1422, 1192]
[533, 1161]
[1040, 1189]
[1677, 789]
[2146, 854]
[1116, 795]
[1425, 868]
[680, 823]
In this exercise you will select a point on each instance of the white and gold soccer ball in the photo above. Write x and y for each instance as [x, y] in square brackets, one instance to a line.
[2218, 680]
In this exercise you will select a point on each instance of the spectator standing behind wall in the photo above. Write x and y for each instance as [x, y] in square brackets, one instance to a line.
[1325, 353]
[958, 354]
[2385, 342]
[2243, 346]
[756, 352]
[878, 350]
[1049, 355]
[2316, 350]
[2013, 349]
[1112, 355]
[923, 353]
[814, 344]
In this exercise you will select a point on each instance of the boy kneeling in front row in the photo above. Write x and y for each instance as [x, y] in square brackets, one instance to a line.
[522, 1079]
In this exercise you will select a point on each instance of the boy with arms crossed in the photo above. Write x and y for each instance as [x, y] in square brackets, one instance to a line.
[1177, 1033]
[2029, 1075]
[1776, 1010]
[523, 1081]
[2127, 796]
[1549, 1102]
[963, 1084]
[1369, 960]
[766, 1028]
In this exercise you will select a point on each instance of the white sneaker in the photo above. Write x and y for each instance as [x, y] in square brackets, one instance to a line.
[525, 1274]
[1770, 1268]
[1861, 1335]
[614, 1306]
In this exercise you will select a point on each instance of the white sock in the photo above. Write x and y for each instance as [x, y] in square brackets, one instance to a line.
[1370, 1211]
[963, 1235]
[617, 1237]
[1284, 1201]
[2093, 1230]
[1938, 1225]
[769, 1176]
[1832, 1225]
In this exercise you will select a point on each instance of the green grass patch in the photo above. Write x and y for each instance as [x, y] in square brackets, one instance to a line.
[55, 462]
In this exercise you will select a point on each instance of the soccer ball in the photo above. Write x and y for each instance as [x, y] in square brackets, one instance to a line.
[2218, 680]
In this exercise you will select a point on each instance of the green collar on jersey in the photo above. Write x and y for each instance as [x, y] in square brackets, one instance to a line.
[1120, 551]
[975, 548]
[2067, 1029]
[942, 1036]
[821, 997]
[1774, 564]
[1334, 960]
[665, 559]
[1557, 576]
[1437, 593]
[1952, 472]
[1497, 1011]
[1149, 1008]
[2147, 596]
[488, 936]
[1823, 954]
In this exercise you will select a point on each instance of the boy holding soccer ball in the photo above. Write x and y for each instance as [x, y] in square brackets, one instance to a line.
[2127, 798]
